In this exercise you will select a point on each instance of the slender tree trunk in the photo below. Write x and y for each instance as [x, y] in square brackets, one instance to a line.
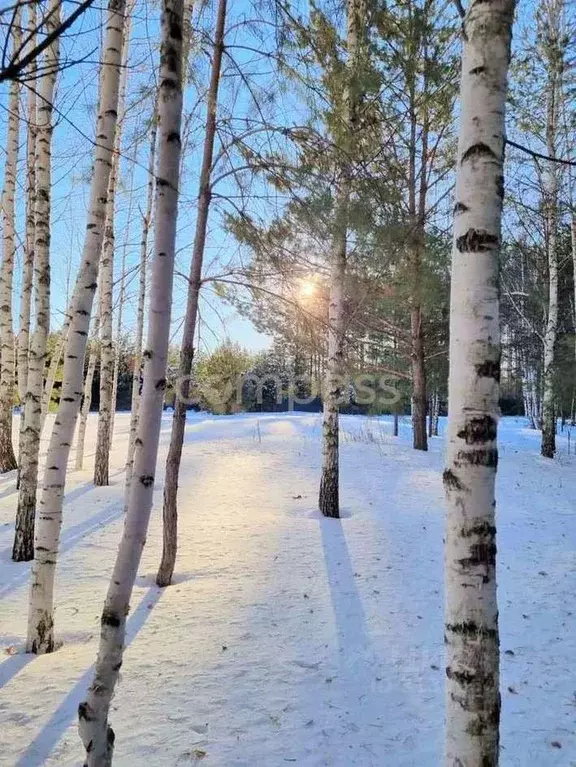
[471, 612]
[328, 498]
[96, 733]
[137, 374]
[550, 41]
[23, 549]
[436, 414]
[102, 459]
[41, 610]
[417, 238]
[7, 458]
[170, 509]
[395, 425]
[28, 261]
[87, 395]
[53, 369]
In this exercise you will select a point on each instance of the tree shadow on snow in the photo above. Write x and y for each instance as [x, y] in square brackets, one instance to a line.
[349, 613]
[70, 538]
[43, 744]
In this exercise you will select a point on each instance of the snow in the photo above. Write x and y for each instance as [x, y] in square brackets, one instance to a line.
[288, 638]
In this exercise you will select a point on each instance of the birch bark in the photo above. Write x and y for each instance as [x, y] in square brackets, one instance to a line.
[41, 608]
[23, 549]
[28, 261]
[471, 613]
[102, 459]
[87, 395]
[7, 457]
[170, 508]
[97, 735]
[137, 374]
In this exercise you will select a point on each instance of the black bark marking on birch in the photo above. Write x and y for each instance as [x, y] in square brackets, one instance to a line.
[478, 150]
[500, 187]
[90, 226]
[477, 70]
[471, 629]
[161, 385]
[162, 182]
[481, 555]
[84, 713]
[173, 137]
[489, 369]
[67, 399]
[147, 480]
[478, 430]
[480, 457]
[138, 441]
[460, 207]
[477, 241]
[147, 354]
[110, 619]
[451, 481]
[480, 529]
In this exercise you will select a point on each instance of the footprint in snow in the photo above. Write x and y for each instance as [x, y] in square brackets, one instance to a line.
[304, 664]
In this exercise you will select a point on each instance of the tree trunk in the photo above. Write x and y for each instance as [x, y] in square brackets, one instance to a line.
[102, 459]
[53, 369]
[40, 617]
[170, 509]
[87, 395]
[137, 374]
[23, 549]
[550, 38]
[28, 261]
[328, 497]
[471, 613]
[329, 500]
[7, 458]
[96, 734]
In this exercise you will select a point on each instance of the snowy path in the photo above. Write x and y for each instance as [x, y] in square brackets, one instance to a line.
[290, 639]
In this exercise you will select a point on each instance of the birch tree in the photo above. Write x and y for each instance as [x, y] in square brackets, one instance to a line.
[137, 374]
[23, 549]
[102, 460]
[471, 614]
[40, 637]
[97, 735]
[87, 395]
[170, 510]
[7, 458]
[550, 22]
[28, 260]
[328, 500]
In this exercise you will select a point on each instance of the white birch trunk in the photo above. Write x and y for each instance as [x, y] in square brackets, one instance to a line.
[102, 459]
[550, 32]
[137, 375]
[7, 458]
[53, 369]
[471, 613]
[23, 549]
[28, 261]
[41, 610]
[87, 395]
[96, 733]
[170, 506]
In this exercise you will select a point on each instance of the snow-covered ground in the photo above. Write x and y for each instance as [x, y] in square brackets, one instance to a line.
[288, 638]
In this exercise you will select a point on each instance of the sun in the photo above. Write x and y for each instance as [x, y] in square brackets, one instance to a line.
[307, 288]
